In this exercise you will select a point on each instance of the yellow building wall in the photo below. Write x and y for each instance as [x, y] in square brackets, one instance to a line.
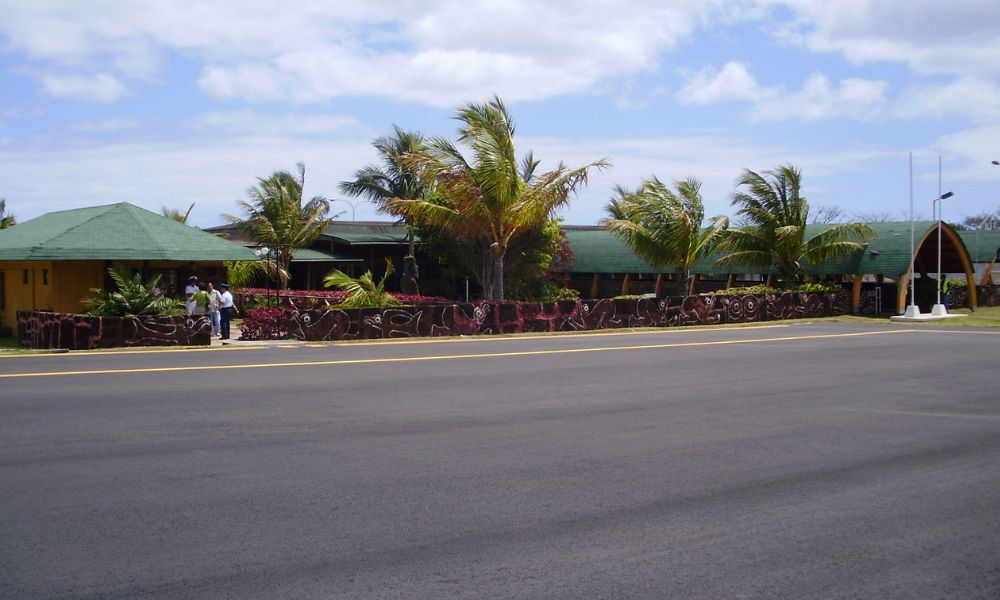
[73, 282]
[27, 285]
[46, 285]
[61, 285]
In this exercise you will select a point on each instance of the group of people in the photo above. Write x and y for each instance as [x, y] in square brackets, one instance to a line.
[202, 299]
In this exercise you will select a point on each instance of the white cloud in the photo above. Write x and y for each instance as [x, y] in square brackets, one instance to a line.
[819, 99]
[968, 97]
[434, 52]
[732, 82]
[213, 174]
[109, 125]
[961, 37]
[973, 149]
[102, 87]
[250, 123]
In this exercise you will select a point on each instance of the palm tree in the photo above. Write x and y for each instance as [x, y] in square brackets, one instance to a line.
[664, 227]
[244, 273]
[362, 292]
[776, 214]
[6, 218]
[392, 179]
[494, 198]
[276, 216]
[616, 206]
[177, 215]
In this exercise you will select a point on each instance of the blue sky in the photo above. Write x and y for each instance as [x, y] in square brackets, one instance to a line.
[167, 103]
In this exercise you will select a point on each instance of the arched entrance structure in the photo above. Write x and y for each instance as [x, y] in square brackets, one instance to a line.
[954, 259]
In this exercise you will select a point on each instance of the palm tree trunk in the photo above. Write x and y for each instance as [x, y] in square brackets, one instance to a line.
[498, 276]
[410, 242]
[284, 260]
[684, 279]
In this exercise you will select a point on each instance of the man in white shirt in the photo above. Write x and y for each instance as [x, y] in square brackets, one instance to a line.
[226, 311]
[189, 291]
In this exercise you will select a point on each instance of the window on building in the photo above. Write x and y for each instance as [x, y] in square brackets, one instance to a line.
[24, 276]
[3, 291]
[45, 277]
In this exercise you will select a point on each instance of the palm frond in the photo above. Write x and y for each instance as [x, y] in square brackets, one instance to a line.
[362, 292]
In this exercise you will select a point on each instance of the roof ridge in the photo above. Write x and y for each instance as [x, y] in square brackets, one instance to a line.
[142, 224]
[82, 223]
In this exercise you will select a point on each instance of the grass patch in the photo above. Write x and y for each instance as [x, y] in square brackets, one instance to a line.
[985, 316]
[11, 345]
[10, 342]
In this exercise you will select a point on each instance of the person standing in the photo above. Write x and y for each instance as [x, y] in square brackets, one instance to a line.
[189, 291]
[226, 311]
[201, 300]
[214, 308]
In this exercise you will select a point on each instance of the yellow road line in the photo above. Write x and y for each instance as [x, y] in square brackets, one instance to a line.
[397, 341]
[359, 361]
[539, 336]
[958, 331]
[117, 352]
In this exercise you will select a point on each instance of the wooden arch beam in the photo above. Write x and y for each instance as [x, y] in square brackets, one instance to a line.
[947, 231]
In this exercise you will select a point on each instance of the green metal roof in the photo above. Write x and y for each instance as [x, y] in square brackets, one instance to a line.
[310, 255]
[114, 232]
[982, 245]
[888, 252]
[350, 232]
[596, 250]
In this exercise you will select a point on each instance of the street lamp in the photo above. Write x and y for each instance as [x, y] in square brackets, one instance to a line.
[349, 203]
[939, 309]
[265, 253]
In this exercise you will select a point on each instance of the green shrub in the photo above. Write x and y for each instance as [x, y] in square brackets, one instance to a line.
[131, 299]
[540, 290]
[753, 289]
[818, 288]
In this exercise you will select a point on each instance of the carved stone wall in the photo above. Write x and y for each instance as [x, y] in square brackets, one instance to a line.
[986, 295]
[38, 329]
[584, 315]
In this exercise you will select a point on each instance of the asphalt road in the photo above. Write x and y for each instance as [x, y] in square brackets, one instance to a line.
[811, 461]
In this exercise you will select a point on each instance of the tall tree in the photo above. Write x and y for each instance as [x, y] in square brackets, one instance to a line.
[275, 215]
[775, 235]
[823, 215]
[988, 221]
[493, 197]
[880, 216]
[664, 227]
[393, 179]
[177, 215]
[6, 219]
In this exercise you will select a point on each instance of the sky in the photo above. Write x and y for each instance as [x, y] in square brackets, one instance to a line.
[164, 103]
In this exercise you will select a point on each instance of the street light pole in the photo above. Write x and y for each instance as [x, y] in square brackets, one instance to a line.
[939, 309]
[349, 203]
[912, 310]
[265, 253]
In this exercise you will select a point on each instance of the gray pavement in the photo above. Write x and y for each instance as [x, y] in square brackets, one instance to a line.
[811, 461]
